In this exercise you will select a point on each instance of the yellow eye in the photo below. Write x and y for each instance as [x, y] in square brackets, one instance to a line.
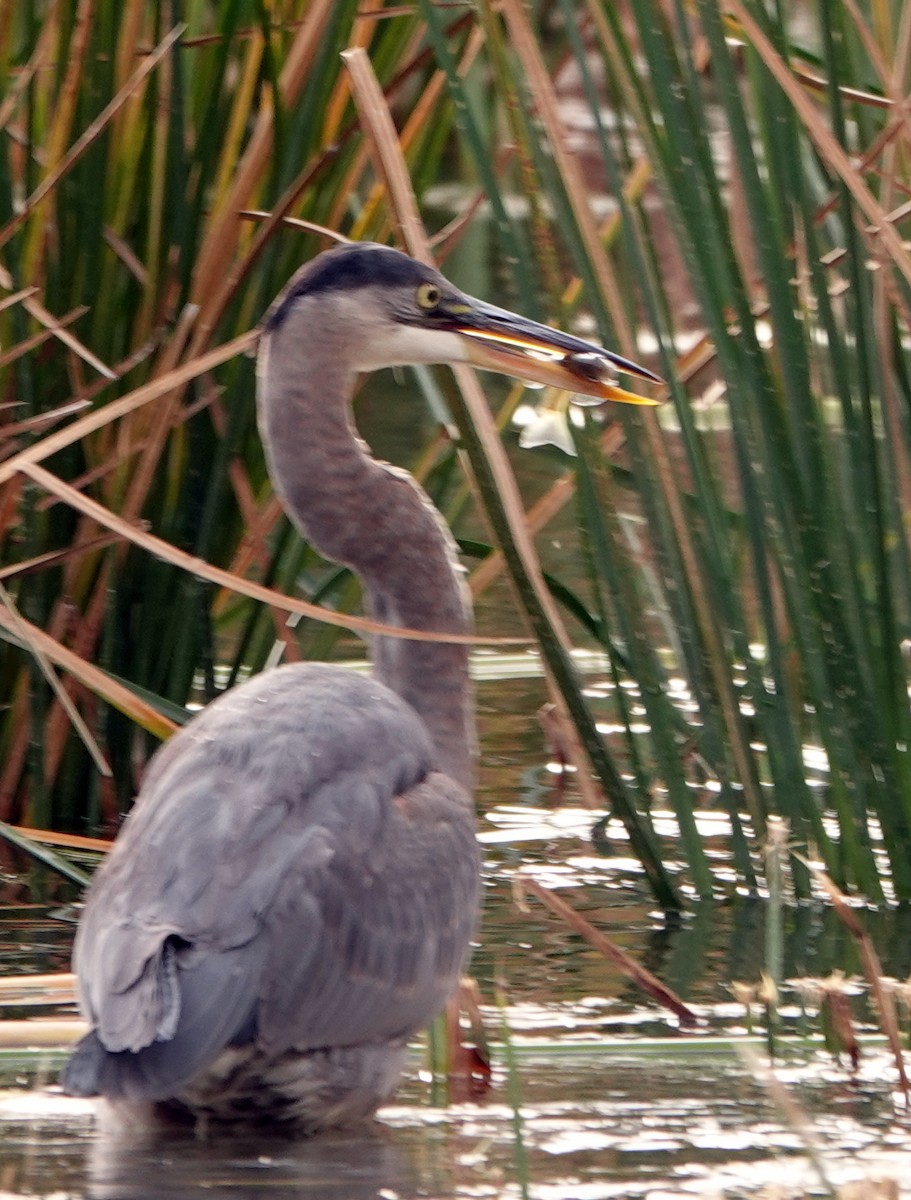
[428, 295]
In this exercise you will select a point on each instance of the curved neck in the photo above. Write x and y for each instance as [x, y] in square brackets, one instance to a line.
[377, 521]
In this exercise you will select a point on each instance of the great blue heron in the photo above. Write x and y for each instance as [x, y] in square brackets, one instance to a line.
[293, 895]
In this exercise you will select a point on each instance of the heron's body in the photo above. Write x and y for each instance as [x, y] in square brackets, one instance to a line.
[295, 890]
[295, 831]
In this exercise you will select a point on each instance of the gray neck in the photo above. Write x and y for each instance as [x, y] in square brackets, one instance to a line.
[377, 521]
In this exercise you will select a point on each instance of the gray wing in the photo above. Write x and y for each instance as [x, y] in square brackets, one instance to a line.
[293, 871]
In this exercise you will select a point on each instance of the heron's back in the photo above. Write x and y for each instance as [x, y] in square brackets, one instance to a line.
[293, 894]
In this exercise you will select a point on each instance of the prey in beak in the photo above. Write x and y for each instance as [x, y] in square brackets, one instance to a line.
[499, 340]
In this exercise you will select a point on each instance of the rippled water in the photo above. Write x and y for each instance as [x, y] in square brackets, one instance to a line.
[586, 1126]
[606, 1098]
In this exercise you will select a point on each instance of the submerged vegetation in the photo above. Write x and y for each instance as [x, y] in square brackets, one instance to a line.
[719, 190]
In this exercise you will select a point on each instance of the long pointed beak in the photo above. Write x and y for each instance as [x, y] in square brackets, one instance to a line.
[502, 341]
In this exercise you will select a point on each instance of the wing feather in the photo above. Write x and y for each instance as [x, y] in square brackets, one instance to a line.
[293, 868]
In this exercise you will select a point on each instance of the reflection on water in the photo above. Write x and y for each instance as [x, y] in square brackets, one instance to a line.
[598, 1126]
[339, 1166]
[598, 1116]
[60, 1148]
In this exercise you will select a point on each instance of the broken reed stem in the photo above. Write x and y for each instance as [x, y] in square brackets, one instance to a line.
[885, 1004]
[644, 978]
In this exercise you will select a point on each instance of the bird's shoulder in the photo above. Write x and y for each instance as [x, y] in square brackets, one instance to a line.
[322, 836]
[303, 770]
[282, 748]
[306, 722]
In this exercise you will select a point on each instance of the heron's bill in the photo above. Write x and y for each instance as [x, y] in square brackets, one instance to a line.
[585, 371]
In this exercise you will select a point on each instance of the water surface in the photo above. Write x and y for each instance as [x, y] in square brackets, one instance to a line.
[606, 1097]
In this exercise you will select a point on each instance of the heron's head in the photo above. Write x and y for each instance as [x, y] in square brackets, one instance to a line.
[385, 309]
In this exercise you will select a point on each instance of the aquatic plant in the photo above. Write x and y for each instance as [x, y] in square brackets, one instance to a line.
[744, 548]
